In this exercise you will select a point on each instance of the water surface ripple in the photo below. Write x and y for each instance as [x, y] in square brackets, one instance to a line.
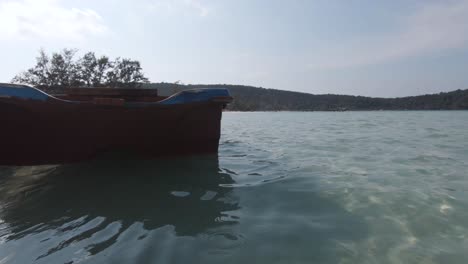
[320, 187]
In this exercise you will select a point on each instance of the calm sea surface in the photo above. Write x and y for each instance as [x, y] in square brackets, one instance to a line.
[320, 187]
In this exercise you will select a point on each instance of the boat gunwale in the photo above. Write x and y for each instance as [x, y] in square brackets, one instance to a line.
[172, 100]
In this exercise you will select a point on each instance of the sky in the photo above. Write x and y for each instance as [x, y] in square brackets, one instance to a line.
[358, 47]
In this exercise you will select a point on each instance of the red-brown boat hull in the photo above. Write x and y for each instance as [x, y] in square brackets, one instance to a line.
[52, 132]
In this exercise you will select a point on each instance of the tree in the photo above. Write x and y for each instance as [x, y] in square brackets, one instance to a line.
[93, 71]
[87, 67]
[103, 65]
[61, 70]
[39, 75]
[126, 72]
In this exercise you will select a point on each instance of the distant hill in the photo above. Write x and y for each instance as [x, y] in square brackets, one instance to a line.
[248, 98]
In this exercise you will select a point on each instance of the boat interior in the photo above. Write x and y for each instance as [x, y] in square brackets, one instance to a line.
[114, 96]
[110, 95]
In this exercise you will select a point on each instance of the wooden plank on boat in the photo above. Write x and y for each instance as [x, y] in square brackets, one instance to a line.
[126, 92]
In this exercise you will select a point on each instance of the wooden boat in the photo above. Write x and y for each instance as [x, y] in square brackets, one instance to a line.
[38, 128]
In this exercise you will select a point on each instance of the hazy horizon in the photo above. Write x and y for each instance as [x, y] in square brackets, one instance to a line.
[385, 49]
[233, 84]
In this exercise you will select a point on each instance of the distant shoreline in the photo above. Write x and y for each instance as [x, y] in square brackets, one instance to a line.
[255, 99]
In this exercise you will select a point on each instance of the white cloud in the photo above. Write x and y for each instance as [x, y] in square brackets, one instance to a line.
[175, 6]
[434, 27]
[197, 5]
[47, 19]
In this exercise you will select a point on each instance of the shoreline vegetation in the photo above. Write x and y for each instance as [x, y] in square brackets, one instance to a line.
[249, 98]
[255, 99]
[53, 73]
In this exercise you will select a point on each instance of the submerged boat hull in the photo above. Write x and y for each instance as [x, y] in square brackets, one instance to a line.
[53, 131]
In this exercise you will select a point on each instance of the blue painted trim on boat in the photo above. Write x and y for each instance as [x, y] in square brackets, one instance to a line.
[22, 92]
[183, 97]
[196, 95]
[186, 97]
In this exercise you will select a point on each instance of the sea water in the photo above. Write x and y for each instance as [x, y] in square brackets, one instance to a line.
[286, 187]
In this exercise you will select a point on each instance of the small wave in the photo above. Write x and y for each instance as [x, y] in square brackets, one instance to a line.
[252, 183]
[229, 171]
[229, 239]
[437, 135]
[431, 158]
[230, 142]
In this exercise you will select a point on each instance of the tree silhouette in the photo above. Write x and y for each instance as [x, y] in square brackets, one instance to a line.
[62, 70]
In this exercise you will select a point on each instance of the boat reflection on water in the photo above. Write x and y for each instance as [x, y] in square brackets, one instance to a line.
[82, 199]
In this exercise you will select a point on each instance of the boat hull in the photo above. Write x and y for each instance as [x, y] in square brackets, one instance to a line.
[53, 132]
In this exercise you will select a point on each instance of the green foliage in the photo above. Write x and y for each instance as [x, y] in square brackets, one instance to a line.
[247, 98]
[88, 69]
[62, 70]
[126, 72]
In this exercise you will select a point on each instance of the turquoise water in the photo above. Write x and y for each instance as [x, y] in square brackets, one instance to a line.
[320, 187]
